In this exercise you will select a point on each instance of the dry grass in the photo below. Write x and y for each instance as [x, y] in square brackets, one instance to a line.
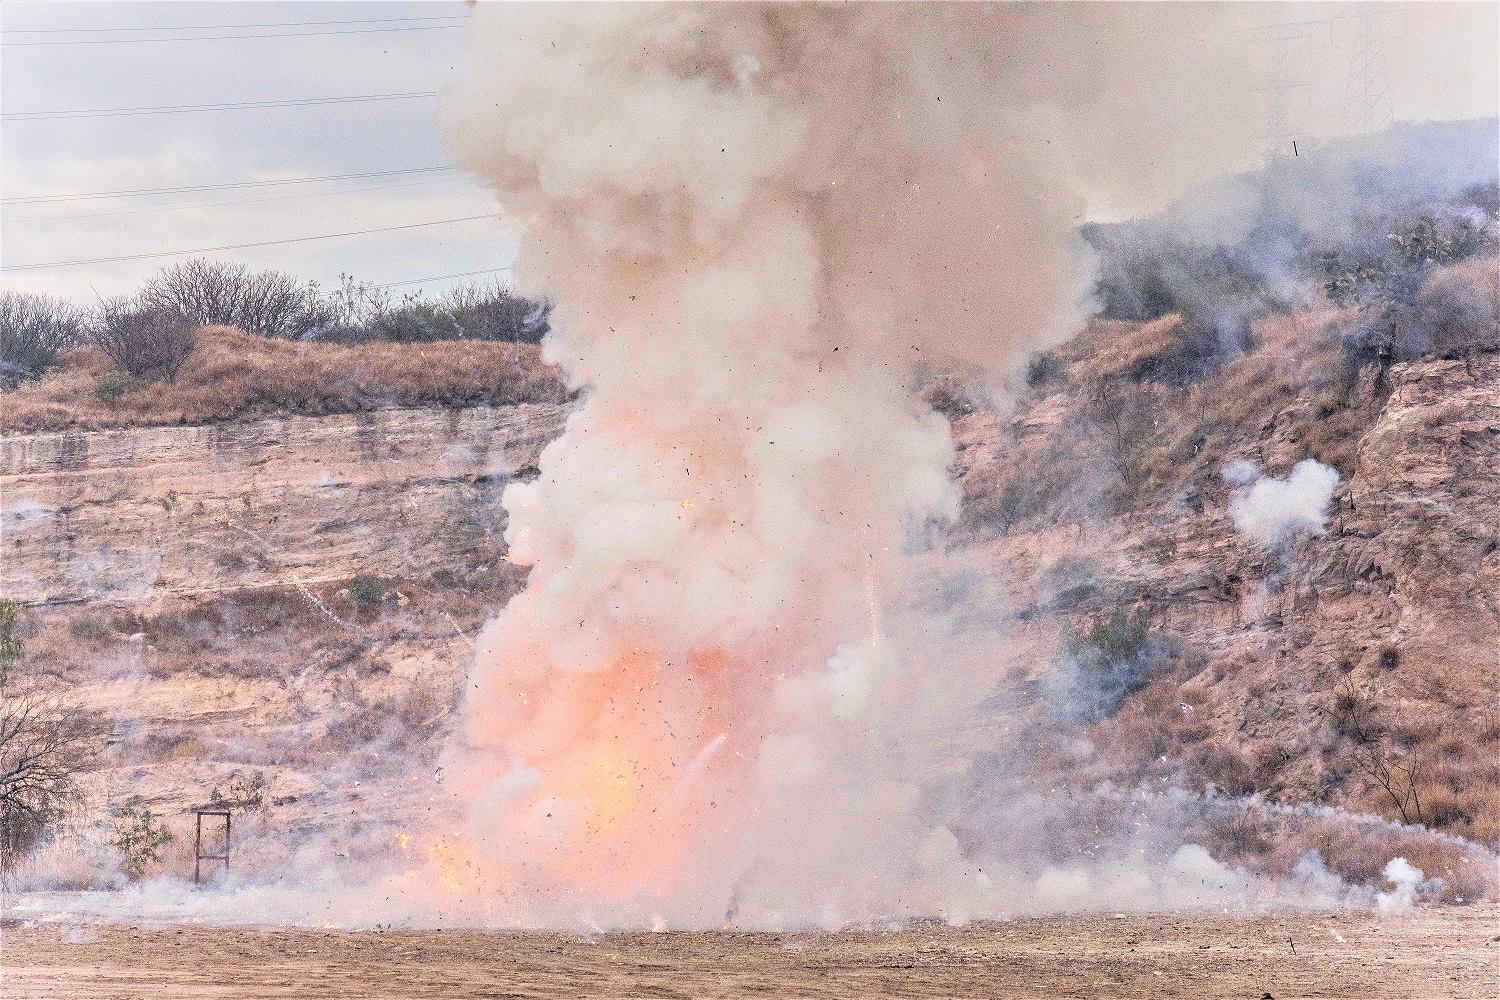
[1358, 852]
[236, 376]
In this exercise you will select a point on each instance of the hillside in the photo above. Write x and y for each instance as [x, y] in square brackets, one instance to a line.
[263, 577]
[282, 609]
[1316, 671]
[235, 376]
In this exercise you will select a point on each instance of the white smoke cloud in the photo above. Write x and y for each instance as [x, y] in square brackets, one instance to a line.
[1406, 878]
[757, 227]
[1272, 510]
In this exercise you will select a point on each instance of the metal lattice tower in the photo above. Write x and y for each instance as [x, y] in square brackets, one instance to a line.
[1367, 99]
[1282, 124]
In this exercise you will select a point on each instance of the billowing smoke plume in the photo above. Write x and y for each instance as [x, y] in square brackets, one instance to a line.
[757, 225]
[1268, 510]
[733, 687]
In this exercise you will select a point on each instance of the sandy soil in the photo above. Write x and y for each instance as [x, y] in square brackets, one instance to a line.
[1447, 952]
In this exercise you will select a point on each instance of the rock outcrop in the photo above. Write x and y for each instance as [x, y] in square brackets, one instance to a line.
[135, 514]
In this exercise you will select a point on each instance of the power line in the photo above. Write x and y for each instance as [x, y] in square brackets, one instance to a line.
[172, 109]
[217, 38]
[184, 206]
[139, 192]
[242, 246]
[228, 27]
[443, 277]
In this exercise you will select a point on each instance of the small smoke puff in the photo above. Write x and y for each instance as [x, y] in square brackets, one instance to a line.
[1406, 878]
[1274, 509]
[1241, 472]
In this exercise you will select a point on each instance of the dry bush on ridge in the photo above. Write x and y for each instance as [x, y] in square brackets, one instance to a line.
[218, 293]
[34, 330]
[236, 376]
[1358, 851]
[145, 343]
[276, 305]
[1457, 311]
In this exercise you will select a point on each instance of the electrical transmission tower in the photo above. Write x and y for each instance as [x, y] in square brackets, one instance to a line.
[1367, 99]
[1284, 124]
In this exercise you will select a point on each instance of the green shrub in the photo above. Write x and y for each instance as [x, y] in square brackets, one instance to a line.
[139, 836]
[366, 591]
[110, 387]
[247, 792]
[10, 643]
[1395, 273]
[1114, 656]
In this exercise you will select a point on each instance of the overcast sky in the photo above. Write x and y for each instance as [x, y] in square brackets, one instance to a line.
[148, 68]
[1441, 61]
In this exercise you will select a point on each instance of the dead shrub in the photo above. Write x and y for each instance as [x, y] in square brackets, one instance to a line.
[1142, 736]
[1353, 713]
[1457, 312]
[1358, 852]
[218, 293]
[1045, 369]
[1396, 772]
[1196, 695]
[1125, 417]
[1223, 767]
[422, 708]
[34, 330]
[144, 342]
[173, 744]
[1193, 730]
[46, 744]
[90, 628]
[1002, 503]
[1239, 831]
[1270, 759]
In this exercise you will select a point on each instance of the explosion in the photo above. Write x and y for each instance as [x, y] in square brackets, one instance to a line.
[761, 226]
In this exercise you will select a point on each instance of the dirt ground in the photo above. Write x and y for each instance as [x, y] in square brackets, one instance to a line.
[1445, 952]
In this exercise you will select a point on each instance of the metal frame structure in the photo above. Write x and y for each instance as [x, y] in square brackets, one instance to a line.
[199, 856]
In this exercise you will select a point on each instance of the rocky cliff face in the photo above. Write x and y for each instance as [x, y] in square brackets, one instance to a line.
[133, 515]
[275, 611]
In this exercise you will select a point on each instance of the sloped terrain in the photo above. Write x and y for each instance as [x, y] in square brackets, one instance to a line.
[1353, 668]
[281, 611]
